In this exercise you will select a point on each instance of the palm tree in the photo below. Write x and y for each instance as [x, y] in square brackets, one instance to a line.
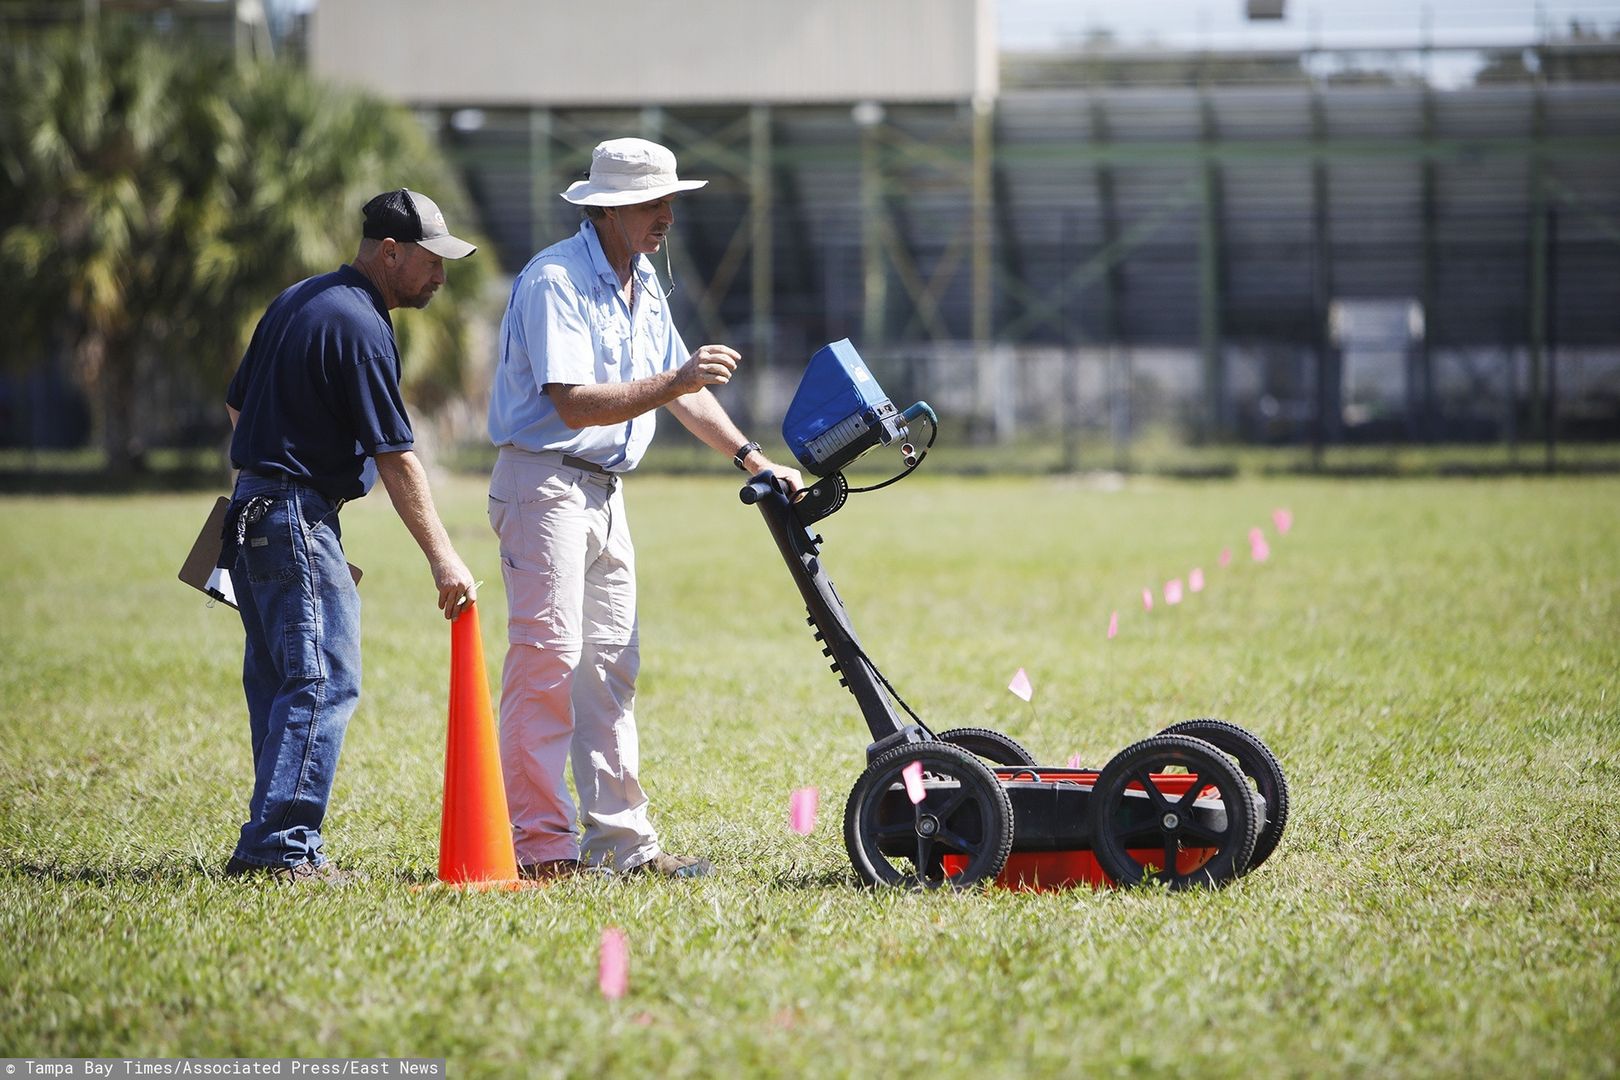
[154, 197]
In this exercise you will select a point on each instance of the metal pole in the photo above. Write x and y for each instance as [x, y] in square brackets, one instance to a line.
[1327, 371]
[762, 263]
[1427, 424]
[1069, 365]
[1551, 331]
[873, 276]
[541, 194]
[1119, 363]
[1209, 284]
[1538, 259]
[983, 239]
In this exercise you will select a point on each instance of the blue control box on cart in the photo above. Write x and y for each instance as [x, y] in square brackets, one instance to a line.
[839, 411]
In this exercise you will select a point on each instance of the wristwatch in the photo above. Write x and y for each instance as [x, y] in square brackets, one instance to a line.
[742, 454]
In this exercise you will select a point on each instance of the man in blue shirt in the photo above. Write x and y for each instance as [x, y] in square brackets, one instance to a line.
[587, 354]
[317, 414]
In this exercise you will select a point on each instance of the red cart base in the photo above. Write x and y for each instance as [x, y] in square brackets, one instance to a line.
[1045, 871]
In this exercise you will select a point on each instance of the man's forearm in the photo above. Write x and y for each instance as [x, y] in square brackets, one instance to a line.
[402, 474]
[598, 404]
[703, 415]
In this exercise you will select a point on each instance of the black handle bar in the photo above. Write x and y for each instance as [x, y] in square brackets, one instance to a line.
[759, 485]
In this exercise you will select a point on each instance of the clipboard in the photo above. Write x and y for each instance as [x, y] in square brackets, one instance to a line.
[202, 571]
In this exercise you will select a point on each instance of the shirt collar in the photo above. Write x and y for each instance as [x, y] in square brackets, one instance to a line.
[640, 266]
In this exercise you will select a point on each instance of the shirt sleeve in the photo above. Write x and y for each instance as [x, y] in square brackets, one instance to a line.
[236, 392]
[376, 406]
[556, 323]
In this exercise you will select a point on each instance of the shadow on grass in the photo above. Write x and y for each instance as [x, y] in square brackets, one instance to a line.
[174, 871]
[170, 871]
[817, 881]
[61, 872]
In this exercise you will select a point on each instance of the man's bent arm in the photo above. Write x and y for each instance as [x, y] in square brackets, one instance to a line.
[402, 474]
[598, 404]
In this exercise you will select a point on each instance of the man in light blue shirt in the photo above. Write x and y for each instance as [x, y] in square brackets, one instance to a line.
[587, 354]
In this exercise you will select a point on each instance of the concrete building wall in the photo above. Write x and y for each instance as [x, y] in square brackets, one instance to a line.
[664, 52]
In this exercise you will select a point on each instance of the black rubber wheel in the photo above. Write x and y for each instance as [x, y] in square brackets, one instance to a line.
[993, 746]
[1123, 820]
[964, 811]
[1255, 761]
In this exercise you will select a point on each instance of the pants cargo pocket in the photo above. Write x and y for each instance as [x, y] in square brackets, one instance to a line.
[533, 614]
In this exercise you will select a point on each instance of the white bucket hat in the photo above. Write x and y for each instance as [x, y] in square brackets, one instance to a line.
[628, 171]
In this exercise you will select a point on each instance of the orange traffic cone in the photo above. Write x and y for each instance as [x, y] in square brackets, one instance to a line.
[475, 834]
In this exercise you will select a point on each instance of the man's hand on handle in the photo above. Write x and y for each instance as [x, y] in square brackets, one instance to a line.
[790, 478]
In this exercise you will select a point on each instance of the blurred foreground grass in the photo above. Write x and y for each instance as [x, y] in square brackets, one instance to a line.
[1436, 663]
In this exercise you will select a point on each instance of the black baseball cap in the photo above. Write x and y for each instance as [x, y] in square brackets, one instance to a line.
[410, 217]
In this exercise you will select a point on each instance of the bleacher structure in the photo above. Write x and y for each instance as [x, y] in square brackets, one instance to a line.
[1229, 251]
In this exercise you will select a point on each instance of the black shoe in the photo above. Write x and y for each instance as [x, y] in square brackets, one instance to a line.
[674, 866]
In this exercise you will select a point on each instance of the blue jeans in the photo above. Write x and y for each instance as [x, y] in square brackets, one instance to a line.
[301, 666]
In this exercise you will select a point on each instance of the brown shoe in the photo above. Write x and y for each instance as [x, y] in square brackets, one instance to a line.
[546, 871]
[674, 866]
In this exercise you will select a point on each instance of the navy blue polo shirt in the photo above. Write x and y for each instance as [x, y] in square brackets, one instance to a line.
[318, 387]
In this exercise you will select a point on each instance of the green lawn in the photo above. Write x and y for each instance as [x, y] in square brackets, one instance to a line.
[1436, 663]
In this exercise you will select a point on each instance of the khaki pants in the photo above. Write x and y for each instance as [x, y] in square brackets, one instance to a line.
[569, 684]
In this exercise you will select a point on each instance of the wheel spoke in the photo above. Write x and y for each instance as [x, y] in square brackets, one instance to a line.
[925, 848]
[954, 842]
[1171, 847]
[895, 831]
[951, 804]
[1196, 831]
[1141, 836]
[1191, 795]
[1142, 777]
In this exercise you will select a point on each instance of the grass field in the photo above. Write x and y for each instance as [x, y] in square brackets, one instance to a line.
[1436, 663]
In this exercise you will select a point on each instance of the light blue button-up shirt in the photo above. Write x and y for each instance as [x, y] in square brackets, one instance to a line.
[566, 322]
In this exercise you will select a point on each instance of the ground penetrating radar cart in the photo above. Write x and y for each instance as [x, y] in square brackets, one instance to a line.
[1200, 803]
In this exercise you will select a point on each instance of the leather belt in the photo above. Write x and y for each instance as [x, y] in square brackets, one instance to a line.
[586, 466]
[297, 481]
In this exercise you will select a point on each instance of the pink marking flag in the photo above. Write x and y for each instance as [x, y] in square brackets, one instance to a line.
[1172, 591]
[912, 775]
[1226, 557]
[1284, 520]
[1195, 579]
[802, 810]
[1021, 686]
[613, 966]
[1147, 599]
[1113, 625]
[1074, 762]
[1259, 550]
